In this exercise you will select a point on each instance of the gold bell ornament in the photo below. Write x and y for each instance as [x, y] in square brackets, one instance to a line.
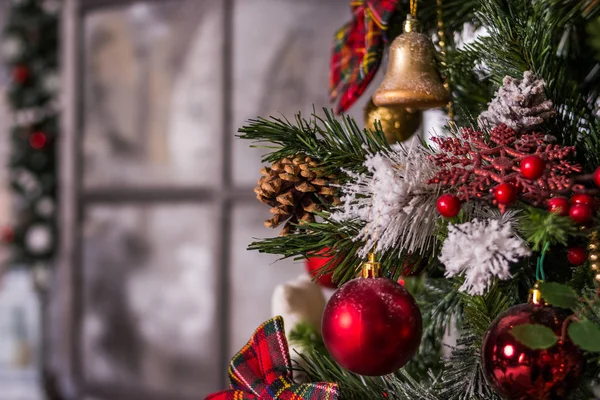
[398, 124]
[412, 79]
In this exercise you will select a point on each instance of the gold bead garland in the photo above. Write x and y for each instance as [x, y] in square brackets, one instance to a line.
[594, 255]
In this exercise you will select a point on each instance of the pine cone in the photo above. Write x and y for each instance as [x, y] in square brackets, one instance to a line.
[295, 189]
[520, 104]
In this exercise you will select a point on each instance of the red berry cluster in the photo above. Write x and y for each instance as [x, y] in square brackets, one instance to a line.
[581, 208]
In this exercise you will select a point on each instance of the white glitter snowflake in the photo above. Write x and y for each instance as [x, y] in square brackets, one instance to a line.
[394, 200]
[482, 250]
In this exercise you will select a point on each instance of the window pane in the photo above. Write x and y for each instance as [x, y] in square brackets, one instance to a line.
[253, 275]
[152, 81]
[283, 73]
[150, 293]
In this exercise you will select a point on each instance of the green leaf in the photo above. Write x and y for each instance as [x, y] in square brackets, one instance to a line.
[559, 295]
[534, 336]
[586, 335]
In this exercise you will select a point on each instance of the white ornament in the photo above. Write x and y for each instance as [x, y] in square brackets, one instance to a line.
[38, 239]
[394, 200]
[298, 301]
[11, 48]
[481, 250]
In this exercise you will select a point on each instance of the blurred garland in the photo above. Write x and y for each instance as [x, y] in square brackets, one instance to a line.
[29, 48]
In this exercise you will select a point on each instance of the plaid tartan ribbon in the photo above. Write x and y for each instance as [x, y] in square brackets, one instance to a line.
[262, 370]
[358, 49]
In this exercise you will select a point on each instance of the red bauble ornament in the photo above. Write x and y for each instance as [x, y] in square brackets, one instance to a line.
[597, 177]
[517, 372]
[577, 255]
[505, 193]
[20, 73]
[532, 167]
[38, 140]
[559, 205]
[581, 213]
[372, 326]
[448, 205]
[314, 267]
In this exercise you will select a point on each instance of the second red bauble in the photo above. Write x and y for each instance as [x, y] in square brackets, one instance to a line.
[597, 177]
[315, 266]
[372, 326]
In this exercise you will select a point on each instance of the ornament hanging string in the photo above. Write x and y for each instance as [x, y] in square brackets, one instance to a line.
[539, 271]
[413, 7]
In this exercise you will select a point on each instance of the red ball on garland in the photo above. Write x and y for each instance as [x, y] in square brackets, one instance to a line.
[577, 255]
[505, 193]
[532, 167]
[597, 177]
[517, 372]
[7, 234]
[38, 140]
[448, 205]
[372, 326]
[581, 213]
[314, 266]
[559, 205]
[20, 74]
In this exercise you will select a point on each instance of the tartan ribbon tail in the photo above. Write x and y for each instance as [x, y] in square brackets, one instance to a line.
[357, 50]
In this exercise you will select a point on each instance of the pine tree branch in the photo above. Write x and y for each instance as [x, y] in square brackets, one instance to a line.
[337, 144]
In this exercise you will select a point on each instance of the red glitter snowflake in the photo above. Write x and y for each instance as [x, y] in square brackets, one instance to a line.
[475, 163]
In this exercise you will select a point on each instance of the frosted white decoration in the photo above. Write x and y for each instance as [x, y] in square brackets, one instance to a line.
[481, 250]
[394, 200]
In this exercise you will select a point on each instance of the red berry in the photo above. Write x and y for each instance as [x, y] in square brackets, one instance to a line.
[581, 213]
[20, 73]
[597, 177]
[577, 255]
[559, 205]
[448, 205]
[532, 167]
[581, 198]
[505, 193]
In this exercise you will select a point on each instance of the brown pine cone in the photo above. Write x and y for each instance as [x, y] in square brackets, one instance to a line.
[295, 189]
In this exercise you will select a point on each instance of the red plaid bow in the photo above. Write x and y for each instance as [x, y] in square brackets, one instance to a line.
[357, 50]
[262, 370]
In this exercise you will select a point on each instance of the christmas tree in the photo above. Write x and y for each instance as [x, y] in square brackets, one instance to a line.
[490, 229]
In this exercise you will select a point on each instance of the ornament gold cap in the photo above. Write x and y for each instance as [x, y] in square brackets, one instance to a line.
[535, 295]
[411, 24]
[371, 268]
